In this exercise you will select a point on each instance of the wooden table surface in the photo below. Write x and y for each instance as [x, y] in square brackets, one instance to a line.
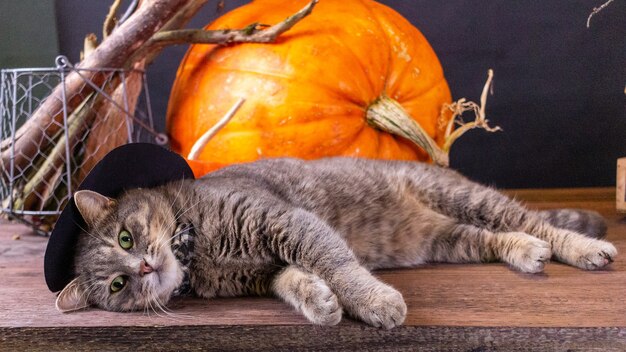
[460, 307]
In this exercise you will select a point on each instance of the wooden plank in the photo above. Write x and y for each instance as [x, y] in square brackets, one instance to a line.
[598, 194]
[487, 300]
[354, 337]
[620, 194]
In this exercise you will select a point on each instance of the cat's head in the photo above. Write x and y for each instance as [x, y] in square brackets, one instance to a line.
[124, 260]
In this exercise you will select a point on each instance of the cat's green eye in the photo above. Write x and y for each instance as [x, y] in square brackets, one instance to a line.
[125, 239]
[118, 283]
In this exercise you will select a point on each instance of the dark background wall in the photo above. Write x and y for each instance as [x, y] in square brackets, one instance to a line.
[558, 94]
[21, 43]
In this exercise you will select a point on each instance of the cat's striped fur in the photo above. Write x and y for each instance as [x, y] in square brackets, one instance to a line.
[309, 232]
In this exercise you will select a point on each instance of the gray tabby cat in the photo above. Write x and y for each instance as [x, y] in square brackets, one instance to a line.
[310, 232]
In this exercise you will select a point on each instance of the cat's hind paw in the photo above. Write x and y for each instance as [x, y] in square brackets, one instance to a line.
[595, 255]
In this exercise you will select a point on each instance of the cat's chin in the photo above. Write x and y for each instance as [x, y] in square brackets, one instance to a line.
[168, 277]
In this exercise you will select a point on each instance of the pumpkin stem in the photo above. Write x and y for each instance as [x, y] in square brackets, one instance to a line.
[388, 115]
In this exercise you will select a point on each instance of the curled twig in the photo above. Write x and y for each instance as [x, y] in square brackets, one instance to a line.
[462, 105]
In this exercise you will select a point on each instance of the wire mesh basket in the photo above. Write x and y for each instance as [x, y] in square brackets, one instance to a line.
[35, 187]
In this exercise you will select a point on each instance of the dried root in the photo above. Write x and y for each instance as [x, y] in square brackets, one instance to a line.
[461, 106]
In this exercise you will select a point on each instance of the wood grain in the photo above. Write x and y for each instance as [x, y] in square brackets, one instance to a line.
[455, 305]
[353, 337]
[620, 196]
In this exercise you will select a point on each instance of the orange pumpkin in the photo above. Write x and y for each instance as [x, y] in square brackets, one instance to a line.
[311, 93]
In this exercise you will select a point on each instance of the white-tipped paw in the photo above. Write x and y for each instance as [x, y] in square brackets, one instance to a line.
[322, 306]
[595, 254]
[529, 253]
[385, 308]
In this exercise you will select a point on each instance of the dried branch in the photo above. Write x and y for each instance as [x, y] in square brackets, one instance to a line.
[254, 33]
[124, 45]
[113, 52]
[56, 158]
[110, 129]
[199, 145]
[111, 19]
[150, 50]
[596, 10]
[90, 44]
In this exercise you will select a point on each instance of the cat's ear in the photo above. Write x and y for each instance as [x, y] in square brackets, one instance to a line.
[92, 205]
[71, 298]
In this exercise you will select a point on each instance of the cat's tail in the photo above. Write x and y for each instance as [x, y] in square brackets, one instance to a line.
[586, 222]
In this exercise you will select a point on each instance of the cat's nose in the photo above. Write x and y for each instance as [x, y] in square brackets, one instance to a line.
[144, 268]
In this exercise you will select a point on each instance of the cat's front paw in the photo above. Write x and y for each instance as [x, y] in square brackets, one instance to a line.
[528, 254]
[322, 306]
[595, 254]
[385, 308]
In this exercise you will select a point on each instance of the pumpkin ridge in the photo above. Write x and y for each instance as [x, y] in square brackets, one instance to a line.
[368, 77]
[388, 45]
[406, 100]
[350, 142]
[225, 130]
[401, 74]
[338, 94]
[351, 145]
[338, 145]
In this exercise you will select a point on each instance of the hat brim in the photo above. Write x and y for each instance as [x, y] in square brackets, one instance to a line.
[135, 165]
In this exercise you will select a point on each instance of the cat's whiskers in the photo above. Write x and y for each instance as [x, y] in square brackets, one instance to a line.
[89, 290]
[162, 234]
[149, 298]
[169, 240]
[97, 238]
[176, 215]
[170, 314]
[184, 210]
[178, 193]
[176, 218]
[145, 310]
[152, 308]
[152, 299]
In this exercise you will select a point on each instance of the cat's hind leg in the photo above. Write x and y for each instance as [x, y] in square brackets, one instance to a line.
[309, 294]
[468, 202]
[462, 243]
[573, 248]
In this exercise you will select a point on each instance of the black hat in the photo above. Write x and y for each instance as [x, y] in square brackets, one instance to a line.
[129, 166]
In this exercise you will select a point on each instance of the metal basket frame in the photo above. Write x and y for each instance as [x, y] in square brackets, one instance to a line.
[139, 125]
